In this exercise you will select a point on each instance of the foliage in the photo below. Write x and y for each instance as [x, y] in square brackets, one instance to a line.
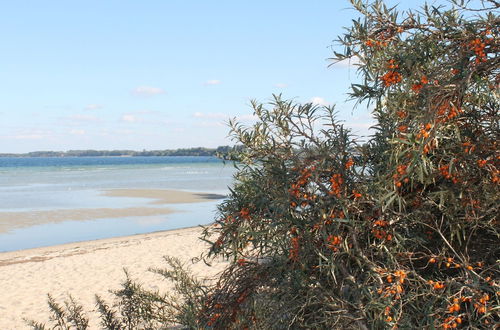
[324, 231]
[69, 316]
[135, 307]
[402, 231]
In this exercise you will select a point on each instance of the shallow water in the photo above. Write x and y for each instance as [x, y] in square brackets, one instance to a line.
[37, 184]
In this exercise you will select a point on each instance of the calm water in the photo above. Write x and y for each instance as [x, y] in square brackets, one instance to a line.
[37, 184]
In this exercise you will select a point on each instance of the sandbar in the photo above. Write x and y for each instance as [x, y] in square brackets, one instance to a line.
[26, 219]
[163, 196]
[13, 220]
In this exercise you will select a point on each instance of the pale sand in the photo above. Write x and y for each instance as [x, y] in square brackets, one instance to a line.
[158, 196]
[84, 269]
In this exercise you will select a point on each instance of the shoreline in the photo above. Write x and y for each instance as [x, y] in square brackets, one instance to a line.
[83, 269]
[97, 241]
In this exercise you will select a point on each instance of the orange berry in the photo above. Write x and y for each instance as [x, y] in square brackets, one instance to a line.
[349, 163]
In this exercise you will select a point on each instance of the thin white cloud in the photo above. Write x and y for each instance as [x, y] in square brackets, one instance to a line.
[144, 116]
[80, 117]
[281, 85]
[77, 132]
[213, 82]
[319, 101]
[247, 118]
[129, 118]
[31, 134]
[93, 107]
[210, 119]
[148, 91]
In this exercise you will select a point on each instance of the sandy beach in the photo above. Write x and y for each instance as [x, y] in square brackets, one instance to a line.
[86, 268]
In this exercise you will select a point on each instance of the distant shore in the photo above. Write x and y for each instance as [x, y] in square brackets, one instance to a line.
[87, 268]
[197, 151]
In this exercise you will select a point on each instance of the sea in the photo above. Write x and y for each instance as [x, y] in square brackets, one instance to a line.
[30, 185]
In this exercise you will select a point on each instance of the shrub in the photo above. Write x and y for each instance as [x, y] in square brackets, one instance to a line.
[325, 232]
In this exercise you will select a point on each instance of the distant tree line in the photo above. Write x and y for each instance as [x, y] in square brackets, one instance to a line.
[199, 151]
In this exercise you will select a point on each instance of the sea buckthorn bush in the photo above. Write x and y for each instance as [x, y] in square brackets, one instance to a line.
[326, 230]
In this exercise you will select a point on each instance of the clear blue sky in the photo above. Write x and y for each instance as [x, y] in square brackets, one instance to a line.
[160, 74]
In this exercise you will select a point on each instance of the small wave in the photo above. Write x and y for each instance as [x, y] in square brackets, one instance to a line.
[170, 168]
